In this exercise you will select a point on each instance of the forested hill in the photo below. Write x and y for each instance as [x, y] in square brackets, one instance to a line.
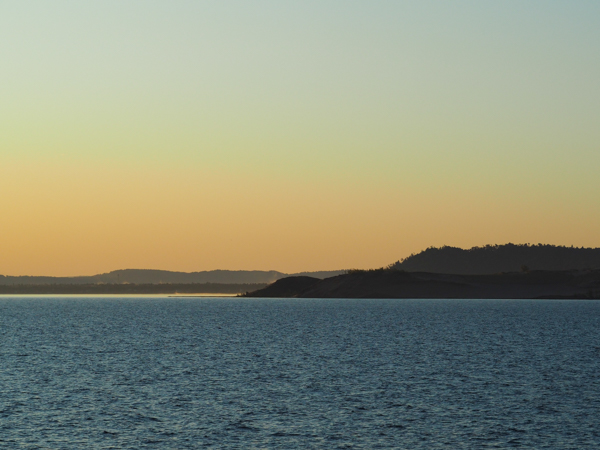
[500, 258]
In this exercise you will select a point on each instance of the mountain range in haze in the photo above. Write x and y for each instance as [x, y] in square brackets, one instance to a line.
[147, 276]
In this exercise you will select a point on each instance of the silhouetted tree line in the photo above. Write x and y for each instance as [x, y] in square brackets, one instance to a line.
[500, 258]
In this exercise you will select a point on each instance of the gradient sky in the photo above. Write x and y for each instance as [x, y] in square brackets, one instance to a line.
[312, 135]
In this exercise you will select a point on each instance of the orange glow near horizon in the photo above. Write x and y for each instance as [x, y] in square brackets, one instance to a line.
[78, 220]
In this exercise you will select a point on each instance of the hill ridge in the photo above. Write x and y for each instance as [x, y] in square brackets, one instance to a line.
[500, 258]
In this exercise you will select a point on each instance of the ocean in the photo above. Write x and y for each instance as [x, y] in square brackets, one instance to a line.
[179, 373]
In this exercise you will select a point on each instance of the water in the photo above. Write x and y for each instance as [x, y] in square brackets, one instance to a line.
[293, 373]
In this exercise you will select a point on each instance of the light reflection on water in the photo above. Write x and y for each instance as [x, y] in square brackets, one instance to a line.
[298, 373]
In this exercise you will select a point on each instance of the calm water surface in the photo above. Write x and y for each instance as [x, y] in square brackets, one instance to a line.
[291, 373]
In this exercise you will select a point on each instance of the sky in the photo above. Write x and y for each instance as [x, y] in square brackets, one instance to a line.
[292, 136]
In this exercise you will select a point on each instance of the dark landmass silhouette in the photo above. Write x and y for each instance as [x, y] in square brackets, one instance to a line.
[130, 288]
[500, 258]
[493, 271]
[143, 276]
[390, 283]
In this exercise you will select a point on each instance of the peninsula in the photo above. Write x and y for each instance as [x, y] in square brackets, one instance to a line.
[391, 283]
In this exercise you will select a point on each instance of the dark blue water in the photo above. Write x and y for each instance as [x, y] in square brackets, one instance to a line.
[253, 373]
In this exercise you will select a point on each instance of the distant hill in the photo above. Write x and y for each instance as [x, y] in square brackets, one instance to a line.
[500, 258]
[144, 276]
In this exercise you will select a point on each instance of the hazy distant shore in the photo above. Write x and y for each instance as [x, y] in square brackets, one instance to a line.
[166, 288]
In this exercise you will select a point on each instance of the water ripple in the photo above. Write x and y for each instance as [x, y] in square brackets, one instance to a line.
[298, 373]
